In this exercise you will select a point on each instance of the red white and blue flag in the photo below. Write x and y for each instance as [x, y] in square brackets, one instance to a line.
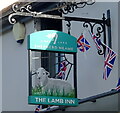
[62, 71]
[97, 42]
[82, 44]
[118, 85]
[38, 109]
[109, 62]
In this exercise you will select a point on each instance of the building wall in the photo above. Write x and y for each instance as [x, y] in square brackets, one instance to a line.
[119, 50]
[0, 73]
[90, 64]
[15, 72]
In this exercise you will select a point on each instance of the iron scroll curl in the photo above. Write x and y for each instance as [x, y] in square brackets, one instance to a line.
[97, 29]
[69, 7]
[22, 11]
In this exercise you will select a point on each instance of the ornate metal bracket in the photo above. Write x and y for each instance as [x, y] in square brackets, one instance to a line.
[26, 11]
[23, 11]
[98, 29]
[96, 26]
[71, 6]
[63, 7]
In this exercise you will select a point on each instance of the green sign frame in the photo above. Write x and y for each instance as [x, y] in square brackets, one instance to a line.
[52, 40]
[49, 100]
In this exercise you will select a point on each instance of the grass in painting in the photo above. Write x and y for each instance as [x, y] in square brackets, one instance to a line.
[38, 91]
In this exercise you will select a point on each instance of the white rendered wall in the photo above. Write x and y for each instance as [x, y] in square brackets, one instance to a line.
[15, 72]
[0, 67]
[90, 64]
[119, 50]
[0, 73]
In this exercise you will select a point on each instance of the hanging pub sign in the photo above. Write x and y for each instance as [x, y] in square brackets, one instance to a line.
[52, 68]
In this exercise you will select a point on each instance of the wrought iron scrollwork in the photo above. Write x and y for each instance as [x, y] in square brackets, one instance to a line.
[15, 10]
[83, 4]
[69, 7]
[97, 29]
[15, 7]
[64, 7]
[12, 20]
[23, 11]
[26, 9]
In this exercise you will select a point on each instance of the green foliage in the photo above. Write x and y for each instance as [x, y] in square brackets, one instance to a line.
[38, 91]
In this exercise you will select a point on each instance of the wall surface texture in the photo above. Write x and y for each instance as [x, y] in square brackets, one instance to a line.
[0, 73]
[15, 72]
[119, 50]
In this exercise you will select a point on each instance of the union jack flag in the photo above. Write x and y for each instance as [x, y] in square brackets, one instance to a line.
[38, 108]
[97, 41]
[109, 62]
[82, 44]
[63, 68]
[118, 85]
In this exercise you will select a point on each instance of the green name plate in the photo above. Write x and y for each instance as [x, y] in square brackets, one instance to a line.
[52, 40]
[49, 100]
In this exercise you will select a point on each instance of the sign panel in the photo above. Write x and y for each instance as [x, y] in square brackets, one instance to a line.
[53, 100]
[49, 85]
[52, 40]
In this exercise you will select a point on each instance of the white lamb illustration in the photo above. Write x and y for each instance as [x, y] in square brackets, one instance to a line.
[49, 84]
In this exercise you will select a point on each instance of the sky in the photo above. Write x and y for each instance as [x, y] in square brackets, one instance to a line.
[5, 3]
